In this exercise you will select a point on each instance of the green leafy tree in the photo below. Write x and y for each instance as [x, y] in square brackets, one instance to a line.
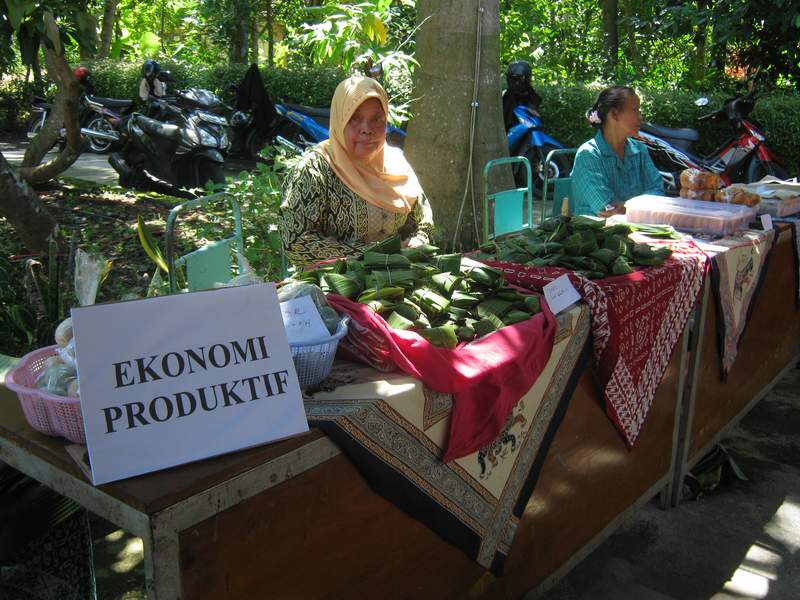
[748, 39]
[349, 35]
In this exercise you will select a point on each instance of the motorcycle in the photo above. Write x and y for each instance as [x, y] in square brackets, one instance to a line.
[527, 139]
[106, 118]
[305, 126]
[40, 109]
[184, 148]
[744, 157]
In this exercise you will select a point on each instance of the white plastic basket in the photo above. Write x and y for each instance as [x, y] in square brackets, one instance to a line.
[313, 360]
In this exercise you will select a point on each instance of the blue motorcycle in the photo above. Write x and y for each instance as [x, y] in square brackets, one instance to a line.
[305, 126]
[527, 139]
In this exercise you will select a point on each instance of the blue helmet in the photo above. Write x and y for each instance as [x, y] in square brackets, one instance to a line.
[150, 69]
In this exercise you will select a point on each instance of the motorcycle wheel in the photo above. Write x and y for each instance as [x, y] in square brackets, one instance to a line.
[208, 170]
[253, 145]
[560, 166]
[99, 146]
[35, 126]
[758, 169]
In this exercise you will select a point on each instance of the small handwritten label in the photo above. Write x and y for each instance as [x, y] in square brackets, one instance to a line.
[560, 294]
[302, 320]
[766, 221]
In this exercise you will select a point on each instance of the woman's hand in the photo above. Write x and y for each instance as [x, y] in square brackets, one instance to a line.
[411, 243]
[617, 208]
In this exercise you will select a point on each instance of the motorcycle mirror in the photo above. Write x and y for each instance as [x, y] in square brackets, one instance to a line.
[701, 101]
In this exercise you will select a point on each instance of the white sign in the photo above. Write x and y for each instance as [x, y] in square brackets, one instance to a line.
[302, 320]
[169, 380]
[766, 222]
[560, 294]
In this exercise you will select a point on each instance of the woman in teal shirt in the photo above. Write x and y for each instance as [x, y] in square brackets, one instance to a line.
[612, 168]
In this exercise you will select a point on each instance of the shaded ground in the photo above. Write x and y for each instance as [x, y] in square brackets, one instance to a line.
[741, 541]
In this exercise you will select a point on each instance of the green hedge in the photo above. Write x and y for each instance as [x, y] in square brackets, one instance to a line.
[311, 86]
[563, 110]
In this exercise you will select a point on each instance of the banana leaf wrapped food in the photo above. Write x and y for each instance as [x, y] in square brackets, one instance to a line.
[584, 244]
[444, 298]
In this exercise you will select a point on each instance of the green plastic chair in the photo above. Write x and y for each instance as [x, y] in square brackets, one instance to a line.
[210, 264]
[557, 188]
[510, 210]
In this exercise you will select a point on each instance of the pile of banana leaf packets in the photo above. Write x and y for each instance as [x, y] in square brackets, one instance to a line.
[583, 244]
[446, 299]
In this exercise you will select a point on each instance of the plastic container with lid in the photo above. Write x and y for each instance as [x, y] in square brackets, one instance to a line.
[779, 207]
[694, 216]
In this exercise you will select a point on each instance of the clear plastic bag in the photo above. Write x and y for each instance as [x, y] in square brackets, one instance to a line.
[247, 276]
[298, 289]
[57, 379]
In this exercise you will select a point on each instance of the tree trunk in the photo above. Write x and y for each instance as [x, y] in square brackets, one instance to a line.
[107, 34]
[21, 207]
[240, 35]
[610, 34]
[270, 36]
[66, 105]
[438, 145]
[253, 39]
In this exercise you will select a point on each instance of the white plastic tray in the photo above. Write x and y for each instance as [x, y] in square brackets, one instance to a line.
[694, 216]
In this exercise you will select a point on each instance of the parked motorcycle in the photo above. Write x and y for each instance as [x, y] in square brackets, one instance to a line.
[527, 139]
[745, 157]
[105, 121]
[185, 148]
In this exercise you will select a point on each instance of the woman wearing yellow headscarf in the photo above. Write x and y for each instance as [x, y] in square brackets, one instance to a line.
[352, 190]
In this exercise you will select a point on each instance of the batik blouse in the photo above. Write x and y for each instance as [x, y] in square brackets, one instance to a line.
[321, 218]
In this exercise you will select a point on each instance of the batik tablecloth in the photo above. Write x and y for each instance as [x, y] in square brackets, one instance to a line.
[637, 320]
[395, 429]
[486, 377]
[738, 265]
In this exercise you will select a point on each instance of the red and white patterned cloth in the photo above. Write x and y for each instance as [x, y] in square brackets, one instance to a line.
[637, 320]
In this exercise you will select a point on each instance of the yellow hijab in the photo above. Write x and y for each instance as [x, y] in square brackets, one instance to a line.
[384, 180]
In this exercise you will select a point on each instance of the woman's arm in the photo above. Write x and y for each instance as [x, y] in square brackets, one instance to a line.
[419, 228]
[653, 182]
[590, 187]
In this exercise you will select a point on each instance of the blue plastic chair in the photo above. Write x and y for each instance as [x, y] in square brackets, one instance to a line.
[509, 210]
[557, 188]
[211, 264]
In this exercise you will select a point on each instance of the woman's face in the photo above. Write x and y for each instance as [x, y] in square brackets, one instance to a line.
[365, 132]
[628, 118]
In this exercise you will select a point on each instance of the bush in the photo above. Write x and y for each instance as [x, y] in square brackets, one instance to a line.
[15, 99]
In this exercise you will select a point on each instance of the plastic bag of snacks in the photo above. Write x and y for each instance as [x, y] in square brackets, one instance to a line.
[695, 179]
[737, 195]
[297, 289]
[60, 376]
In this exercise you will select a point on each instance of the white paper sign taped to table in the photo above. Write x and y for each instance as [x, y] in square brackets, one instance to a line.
[169, 380]
[302, 320]
[560, 294]
[766, 221]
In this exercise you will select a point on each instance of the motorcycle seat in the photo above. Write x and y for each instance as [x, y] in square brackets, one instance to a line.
[686, 134]
[111, 102]
[310, 110]
[157, 128]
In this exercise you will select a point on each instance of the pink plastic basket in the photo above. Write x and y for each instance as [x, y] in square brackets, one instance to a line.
[45, 412]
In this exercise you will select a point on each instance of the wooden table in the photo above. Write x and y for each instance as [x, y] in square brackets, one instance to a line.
[295, 519]
[769, 347]
[160, 506]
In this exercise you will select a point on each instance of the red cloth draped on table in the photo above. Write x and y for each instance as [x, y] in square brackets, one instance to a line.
[486, 377]
[637, 320]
